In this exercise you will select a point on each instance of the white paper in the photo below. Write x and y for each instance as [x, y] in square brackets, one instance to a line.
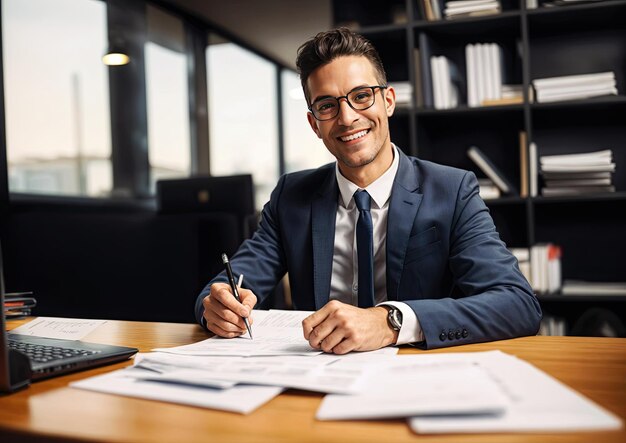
[410, 385]
[56, 327]
[175, 369]
[241, 399]
[275, 333]
[299, 372]
[537, 403]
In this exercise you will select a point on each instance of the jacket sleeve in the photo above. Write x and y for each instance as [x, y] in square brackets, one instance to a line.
[497, 302]
[260, 259]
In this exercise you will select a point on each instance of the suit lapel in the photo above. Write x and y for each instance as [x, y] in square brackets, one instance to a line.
[405, 201]
[323, 214]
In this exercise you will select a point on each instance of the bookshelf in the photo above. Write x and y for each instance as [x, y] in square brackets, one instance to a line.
[536, 43]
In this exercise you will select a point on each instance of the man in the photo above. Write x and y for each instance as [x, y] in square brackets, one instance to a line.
[419, 240]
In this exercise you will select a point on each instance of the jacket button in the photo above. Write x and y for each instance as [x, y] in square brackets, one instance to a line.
[451, 334]
[442, 336]
[464, 333]
[457, 334]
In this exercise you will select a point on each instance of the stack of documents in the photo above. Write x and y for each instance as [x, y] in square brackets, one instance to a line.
[536, 402]
[575, 87]
[455, 392]
[18, 304]
[574, 174]
[240, 374]
[471, 8]
[404, 92]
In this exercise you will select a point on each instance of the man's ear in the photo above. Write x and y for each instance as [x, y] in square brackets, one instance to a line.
[313, 123]
[390, 100]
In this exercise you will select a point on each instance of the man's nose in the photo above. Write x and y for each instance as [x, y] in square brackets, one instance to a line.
[346, 115]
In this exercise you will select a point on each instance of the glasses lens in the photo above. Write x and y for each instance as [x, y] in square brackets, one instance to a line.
[361, 98]
[325, 108]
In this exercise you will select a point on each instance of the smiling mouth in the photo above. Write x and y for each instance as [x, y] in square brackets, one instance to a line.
[354, 136]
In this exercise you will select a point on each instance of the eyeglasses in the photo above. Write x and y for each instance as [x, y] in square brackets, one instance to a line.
[359, 99]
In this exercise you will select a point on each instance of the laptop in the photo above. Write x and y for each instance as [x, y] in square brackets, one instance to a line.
[25, 358]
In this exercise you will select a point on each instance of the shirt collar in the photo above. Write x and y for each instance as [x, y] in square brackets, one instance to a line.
[379, 189]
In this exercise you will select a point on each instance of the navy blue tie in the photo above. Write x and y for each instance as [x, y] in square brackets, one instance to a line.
[365, 249]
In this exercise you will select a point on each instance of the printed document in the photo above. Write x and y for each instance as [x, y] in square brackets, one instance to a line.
[410, 385]
[290, 371]
[275, 333]
[537, 402]
[56, 327]
[127, 382]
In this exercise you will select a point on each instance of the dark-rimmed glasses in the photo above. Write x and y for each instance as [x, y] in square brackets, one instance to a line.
[359, 99]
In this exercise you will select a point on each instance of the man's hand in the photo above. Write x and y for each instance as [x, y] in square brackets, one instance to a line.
[223, 313]
[340, 328]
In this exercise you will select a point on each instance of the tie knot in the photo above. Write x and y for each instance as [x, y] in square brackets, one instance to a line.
[363, 200]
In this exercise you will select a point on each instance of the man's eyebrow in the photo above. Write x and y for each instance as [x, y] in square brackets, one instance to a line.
[322, 97]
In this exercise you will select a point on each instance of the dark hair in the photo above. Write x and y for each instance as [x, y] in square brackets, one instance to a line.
[329, 45]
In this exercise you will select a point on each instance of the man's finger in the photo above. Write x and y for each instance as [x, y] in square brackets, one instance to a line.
[218, 330]
[313, 320]
[224, 295]
[332, 340]
[248, 299]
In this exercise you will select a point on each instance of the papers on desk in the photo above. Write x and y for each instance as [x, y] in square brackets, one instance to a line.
[438, 393]
[128, 382]
[311, 374]
[419, 385]
[54, 327]
[275, 333]
[234, 382]
[536, 403]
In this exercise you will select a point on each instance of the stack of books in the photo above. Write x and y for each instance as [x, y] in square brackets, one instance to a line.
[446, 81]
[523, 260]
[404, 91]
[556, 3]
[491, 170]
[484, 69]
[471, 8]
[18, 304]
[576, 174]
[574, 87]
[487, 189]
[552, 326]
[541, 265]
[578, 287]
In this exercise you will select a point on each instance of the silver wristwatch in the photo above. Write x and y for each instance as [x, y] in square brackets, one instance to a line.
[394, 317]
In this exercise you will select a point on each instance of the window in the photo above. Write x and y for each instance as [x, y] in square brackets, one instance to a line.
[167, 93]
[56, 96]
[303, 150]
[243, 129]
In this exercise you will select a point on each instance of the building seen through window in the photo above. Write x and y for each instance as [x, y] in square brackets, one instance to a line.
[56, 96]
[167, 94]
[243, 127]
[303, 150]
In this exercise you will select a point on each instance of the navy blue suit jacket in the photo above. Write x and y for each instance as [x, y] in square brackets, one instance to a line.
[444, 256]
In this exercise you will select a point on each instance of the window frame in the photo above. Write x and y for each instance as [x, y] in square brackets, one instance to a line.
[128, 102]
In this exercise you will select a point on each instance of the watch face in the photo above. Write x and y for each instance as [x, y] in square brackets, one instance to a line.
[395, 318]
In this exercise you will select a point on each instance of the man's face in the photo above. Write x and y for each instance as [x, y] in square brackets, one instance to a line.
[356, 138]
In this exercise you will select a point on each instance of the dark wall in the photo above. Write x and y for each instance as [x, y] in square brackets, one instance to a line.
[114, 263]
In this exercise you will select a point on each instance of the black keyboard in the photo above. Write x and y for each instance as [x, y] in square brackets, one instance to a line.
[43, 354]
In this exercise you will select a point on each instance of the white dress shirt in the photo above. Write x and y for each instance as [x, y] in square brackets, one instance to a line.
[344, 281]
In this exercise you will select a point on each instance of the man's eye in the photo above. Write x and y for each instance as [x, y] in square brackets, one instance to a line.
[325, 107]
[362, 97]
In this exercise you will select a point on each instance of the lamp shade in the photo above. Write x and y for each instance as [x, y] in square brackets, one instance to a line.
[116, 55]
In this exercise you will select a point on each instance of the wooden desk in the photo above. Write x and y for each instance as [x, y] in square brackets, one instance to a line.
[49, 410]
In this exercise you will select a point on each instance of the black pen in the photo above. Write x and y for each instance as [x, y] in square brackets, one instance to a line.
[233, 287]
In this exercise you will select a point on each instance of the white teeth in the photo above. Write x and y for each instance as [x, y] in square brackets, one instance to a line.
[354, 136]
